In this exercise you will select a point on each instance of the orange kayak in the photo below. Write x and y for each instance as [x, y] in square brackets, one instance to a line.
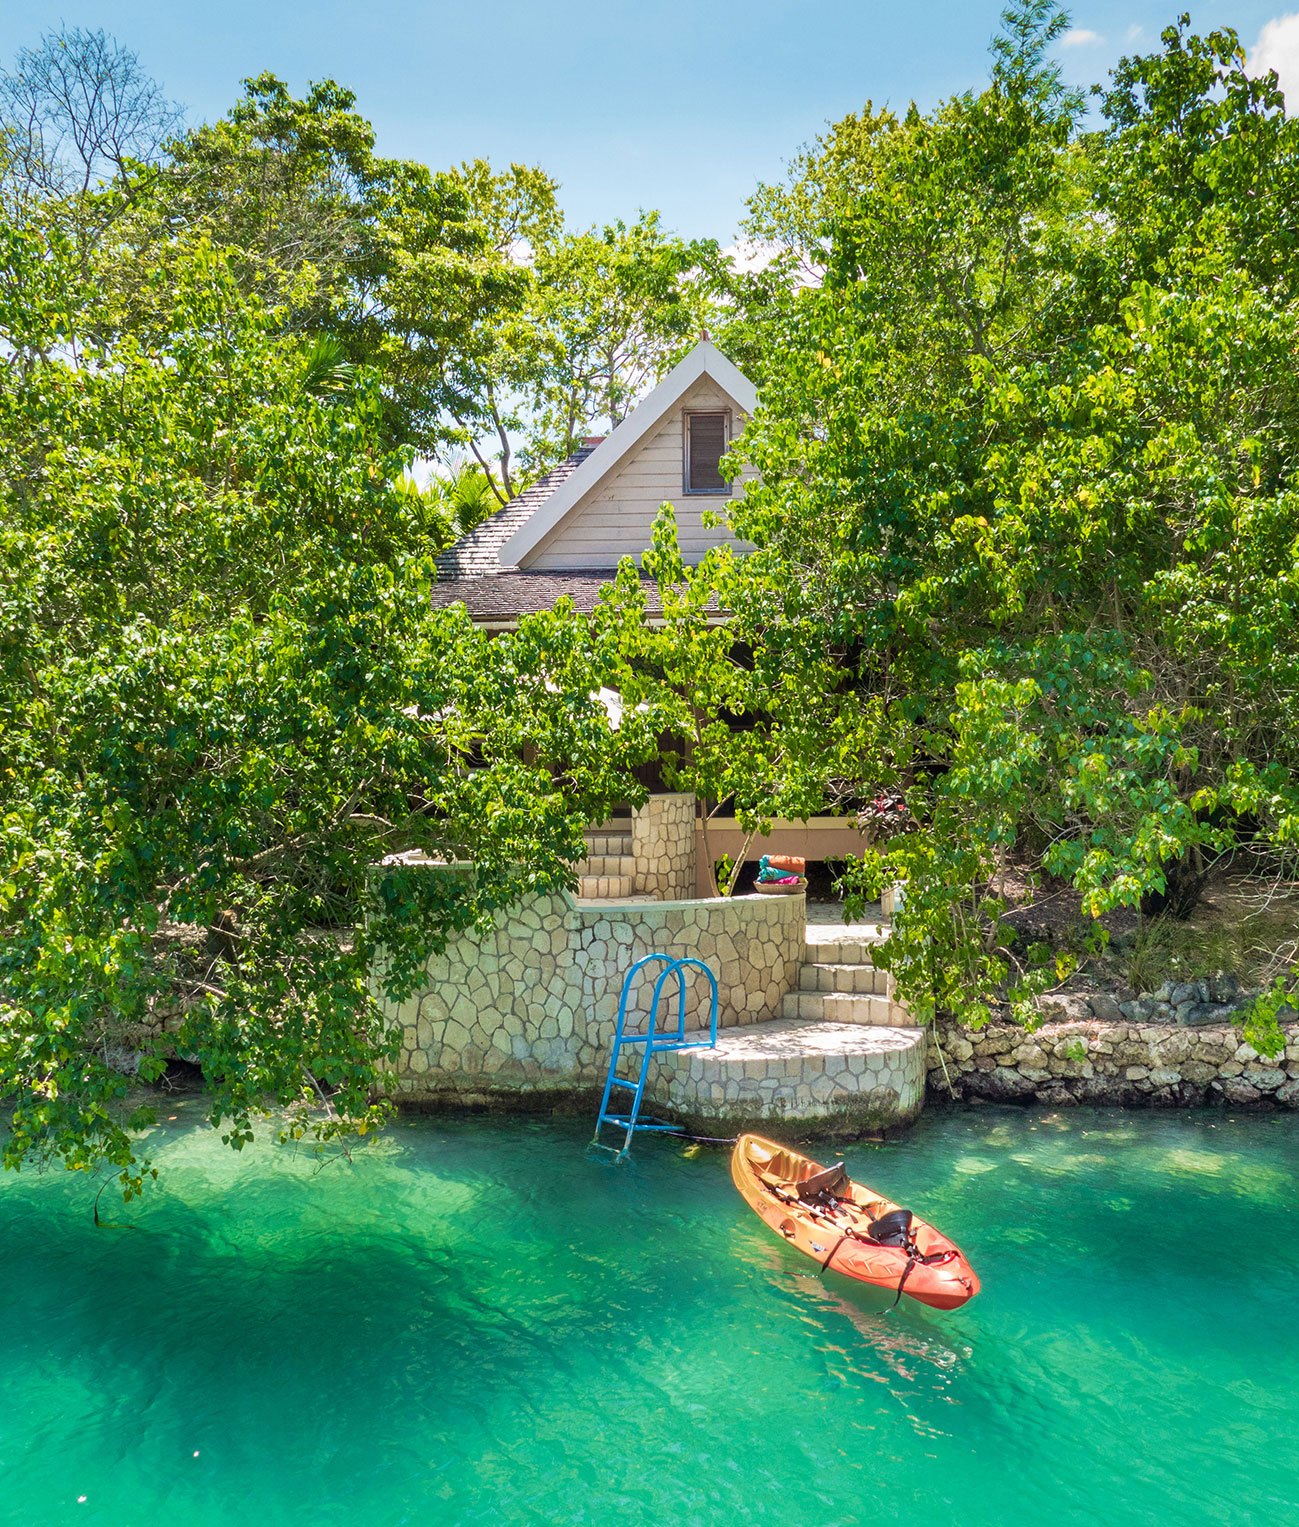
[849, 1228]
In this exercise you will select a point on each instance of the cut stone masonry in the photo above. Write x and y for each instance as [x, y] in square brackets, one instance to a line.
[609, 869]
[526, 1010]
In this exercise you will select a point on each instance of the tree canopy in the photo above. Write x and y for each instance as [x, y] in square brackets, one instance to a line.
[1028, 447]
[223, 702]
[494, 330]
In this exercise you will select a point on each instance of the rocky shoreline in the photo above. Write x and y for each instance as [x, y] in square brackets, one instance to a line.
[1092, 1060]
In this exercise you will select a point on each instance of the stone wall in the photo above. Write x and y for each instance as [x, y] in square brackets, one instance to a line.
[1211, 1000]
[1087, 1060]
[865, 1078]
[663, 846]
[530, 1004]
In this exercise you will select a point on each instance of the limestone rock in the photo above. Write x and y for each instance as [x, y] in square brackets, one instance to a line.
[1198, 1072]
[1199, 1013]
[1265, 1078]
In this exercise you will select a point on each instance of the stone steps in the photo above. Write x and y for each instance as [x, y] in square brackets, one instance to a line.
[601, 842]
[608, 873]
[817, 975]
[607, 864]
[604, 887]
[844, 1007]
[838, 981]
[840, 946]
[795, 1069]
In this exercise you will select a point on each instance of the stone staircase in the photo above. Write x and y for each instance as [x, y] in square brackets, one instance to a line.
[842, 1050]
[608, 873]
[838, 982]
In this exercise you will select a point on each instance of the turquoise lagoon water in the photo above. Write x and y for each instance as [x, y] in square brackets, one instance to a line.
[472, 1321]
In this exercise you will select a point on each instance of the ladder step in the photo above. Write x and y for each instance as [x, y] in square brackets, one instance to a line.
[659, 1043]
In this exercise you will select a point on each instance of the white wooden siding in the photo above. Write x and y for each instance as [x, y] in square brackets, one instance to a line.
[615, 518]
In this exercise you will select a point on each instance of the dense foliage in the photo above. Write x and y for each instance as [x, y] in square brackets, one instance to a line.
[753, 714]
[223, 701]
[495, 331]
[1027, 447]
[1026, 563]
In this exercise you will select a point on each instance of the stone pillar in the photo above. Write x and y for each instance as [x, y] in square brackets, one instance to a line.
[663, 847]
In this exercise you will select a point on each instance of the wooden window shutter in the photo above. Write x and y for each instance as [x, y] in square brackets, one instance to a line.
[706, 442]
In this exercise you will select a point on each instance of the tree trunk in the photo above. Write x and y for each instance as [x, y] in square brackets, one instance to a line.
[1185, 880]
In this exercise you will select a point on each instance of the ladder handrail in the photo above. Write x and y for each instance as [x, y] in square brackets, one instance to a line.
[647, 959]
[677, 968]
[674, 966]
[712, 982]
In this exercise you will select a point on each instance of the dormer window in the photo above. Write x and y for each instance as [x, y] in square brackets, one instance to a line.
[707, 436]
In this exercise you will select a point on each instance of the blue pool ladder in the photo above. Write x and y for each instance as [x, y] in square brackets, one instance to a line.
[653, 1042]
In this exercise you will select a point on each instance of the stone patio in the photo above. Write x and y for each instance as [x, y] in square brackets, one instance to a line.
[801, 1072]
[808, 1032]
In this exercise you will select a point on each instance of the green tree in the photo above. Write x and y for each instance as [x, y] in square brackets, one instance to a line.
[746, 709]
[495, 370]
[1027, 449]
[596, 318]
[614, 308]
[403, 268]
[223, 701]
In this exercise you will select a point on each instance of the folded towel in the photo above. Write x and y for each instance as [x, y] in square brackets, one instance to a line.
[769, 875]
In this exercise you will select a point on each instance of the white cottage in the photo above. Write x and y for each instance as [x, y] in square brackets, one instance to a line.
[567, 534]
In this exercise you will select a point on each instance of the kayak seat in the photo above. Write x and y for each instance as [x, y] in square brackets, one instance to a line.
[892, 1229]
[828, 1180]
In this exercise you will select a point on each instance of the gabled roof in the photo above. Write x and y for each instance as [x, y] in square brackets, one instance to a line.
[477, 555]
[704, 360]
[481, 570]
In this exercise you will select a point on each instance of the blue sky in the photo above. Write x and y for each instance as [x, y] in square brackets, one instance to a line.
[659, 104]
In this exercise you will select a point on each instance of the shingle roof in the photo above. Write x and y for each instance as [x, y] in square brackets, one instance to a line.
[477, 555]
[474, 572]
[471, 572]
[506, 594]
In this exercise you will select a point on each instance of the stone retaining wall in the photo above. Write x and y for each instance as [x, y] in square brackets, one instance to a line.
[860, 1078]
[1132, 1063]
[1211, 1000]
[530, 1005]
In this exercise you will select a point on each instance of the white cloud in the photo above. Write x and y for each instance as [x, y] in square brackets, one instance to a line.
[1278, 48]
[1080, 37]
[1135, 31]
